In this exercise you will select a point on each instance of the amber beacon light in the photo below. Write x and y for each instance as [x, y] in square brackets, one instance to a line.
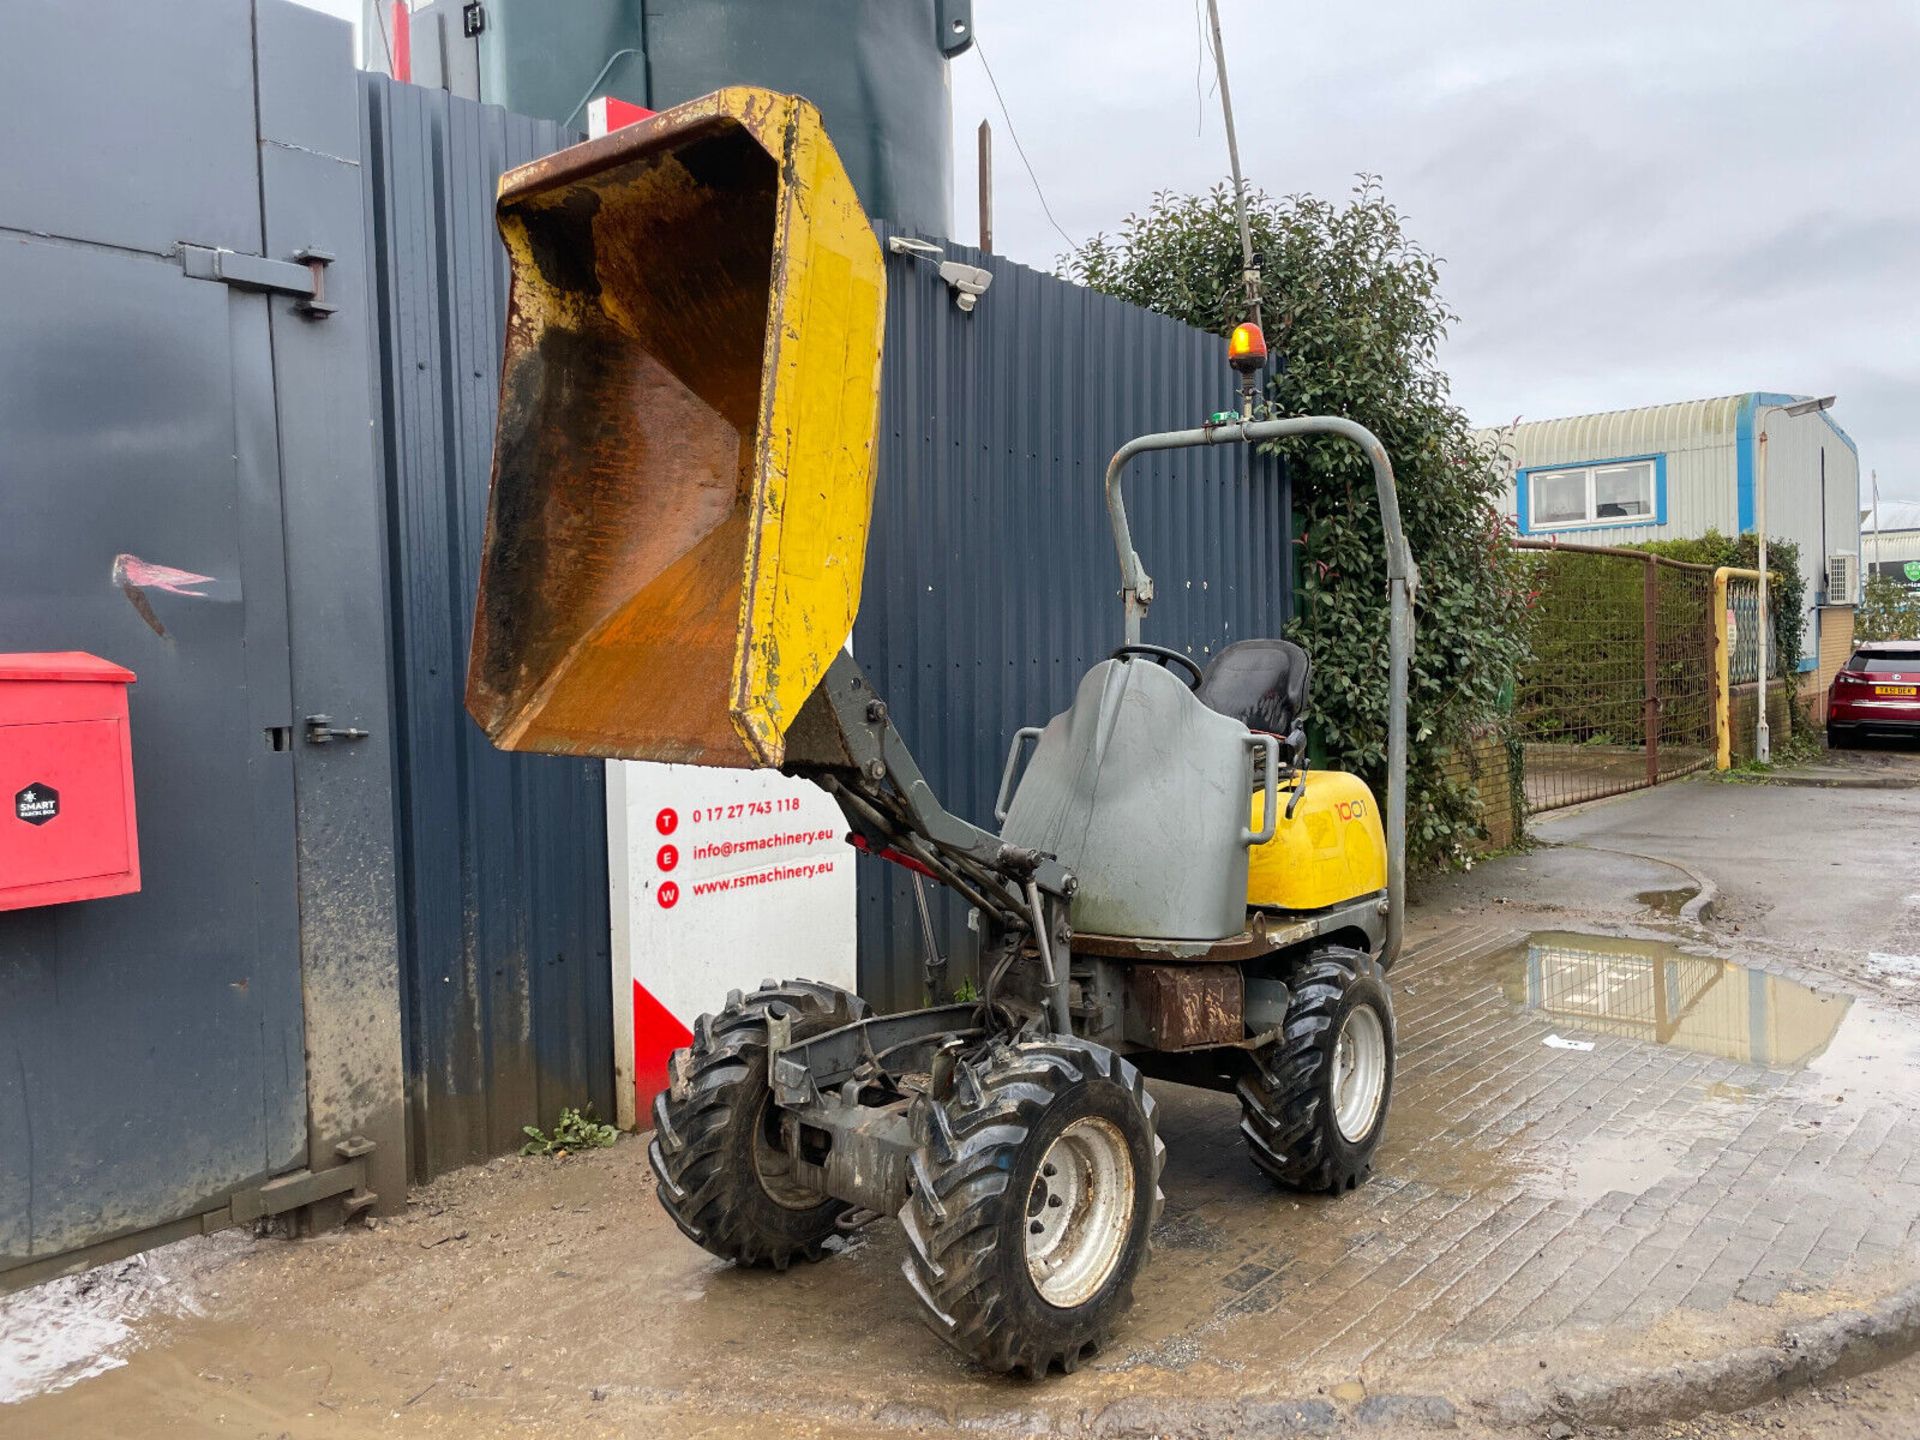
[1246, 349]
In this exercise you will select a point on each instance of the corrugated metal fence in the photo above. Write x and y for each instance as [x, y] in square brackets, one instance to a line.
[992, 583]
[503, 894]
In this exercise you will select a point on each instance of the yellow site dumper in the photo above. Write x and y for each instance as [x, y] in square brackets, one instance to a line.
[683, 480]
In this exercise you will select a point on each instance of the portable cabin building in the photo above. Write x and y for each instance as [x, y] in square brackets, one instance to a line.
[1674, 472]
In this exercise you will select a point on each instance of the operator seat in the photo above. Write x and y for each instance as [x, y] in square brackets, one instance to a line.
[1263, 685]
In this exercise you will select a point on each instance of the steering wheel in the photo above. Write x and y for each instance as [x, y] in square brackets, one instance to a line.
[1167, 658]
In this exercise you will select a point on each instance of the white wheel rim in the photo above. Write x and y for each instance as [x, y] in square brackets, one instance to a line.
[1359, 1073]
[1079, 1212]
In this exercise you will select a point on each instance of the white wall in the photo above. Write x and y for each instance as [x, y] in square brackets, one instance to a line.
[1796, 446]
[1898, 542]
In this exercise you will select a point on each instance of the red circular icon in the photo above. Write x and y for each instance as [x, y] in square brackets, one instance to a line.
[667, 821]
[669, 894]
[668, 857]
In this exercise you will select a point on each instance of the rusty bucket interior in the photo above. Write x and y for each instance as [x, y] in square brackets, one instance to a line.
[683, 465]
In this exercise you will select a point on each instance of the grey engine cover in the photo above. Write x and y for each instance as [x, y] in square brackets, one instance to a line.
[1144, 793]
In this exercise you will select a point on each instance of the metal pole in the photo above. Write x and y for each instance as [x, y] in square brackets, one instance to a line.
[986, 185]
[1056, 982]
[1650, 667]
[936, 963]
[1249, 272]
[1403, 579]
[1876, 520]
[1762, 738]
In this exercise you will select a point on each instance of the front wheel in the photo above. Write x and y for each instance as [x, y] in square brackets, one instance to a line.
[1034, 1189]
[1314, 1102]
[724, 1177]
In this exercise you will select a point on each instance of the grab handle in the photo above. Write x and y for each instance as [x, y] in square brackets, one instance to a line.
[1270, 812]
[1004, 798]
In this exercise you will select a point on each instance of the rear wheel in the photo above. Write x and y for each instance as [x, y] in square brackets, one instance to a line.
[1836, 737]
[1314, 1103]
[1034, 1189]
[724, 1177]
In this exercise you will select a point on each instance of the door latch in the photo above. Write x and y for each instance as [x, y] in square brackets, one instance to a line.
[304, 277]
[321, 731]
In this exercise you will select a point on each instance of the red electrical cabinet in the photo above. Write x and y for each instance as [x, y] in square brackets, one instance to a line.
[66, 780]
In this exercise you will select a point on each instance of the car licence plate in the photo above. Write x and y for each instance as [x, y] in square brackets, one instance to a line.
[1896, 689]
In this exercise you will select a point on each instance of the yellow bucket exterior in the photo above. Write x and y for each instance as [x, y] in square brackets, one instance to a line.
[1333, 849]
[684, 461]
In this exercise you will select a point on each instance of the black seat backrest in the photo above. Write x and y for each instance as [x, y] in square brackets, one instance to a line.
[1260, 683]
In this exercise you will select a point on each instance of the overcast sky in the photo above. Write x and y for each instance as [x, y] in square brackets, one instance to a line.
[1637, 202]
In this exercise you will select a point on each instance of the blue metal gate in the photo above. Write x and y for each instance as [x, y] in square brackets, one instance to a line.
[187, 489]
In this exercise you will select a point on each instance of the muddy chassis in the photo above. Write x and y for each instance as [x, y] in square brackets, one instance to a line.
[1189, 1014]
[1188, 1011]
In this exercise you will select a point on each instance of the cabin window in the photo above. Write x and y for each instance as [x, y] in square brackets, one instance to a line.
[1616, 492]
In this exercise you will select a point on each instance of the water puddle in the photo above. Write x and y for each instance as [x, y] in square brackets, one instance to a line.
[1817, 1053]
[1667, 902]
[1659, 994]
[1631, 1163]
[73, 1328]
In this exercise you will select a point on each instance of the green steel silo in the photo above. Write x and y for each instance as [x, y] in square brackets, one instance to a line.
[876, 68]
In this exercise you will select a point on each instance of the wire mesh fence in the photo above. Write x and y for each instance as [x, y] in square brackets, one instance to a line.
[1619, 692]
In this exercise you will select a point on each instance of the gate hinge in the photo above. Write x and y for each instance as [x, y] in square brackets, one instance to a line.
[473, 18]
[304, 277]
[301, 1188]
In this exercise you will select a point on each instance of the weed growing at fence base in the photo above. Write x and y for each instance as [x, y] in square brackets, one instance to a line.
[576, 1130]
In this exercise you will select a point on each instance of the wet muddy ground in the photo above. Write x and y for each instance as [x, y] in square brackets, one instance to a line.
[1617, 1142]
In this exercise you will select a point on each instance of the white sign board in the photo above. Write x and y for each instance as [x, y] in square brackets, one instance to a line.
[719, 879]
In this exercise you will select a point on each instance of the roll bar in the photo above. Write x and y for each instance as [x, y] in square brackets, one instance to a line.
[1402, 580]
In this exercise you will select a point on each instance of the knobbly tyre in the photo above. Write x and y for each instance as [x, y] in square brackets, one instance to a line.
[683, 481]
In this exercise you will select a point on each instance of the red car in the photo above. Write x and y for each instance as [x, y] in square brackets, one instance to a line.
[1877, 693]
